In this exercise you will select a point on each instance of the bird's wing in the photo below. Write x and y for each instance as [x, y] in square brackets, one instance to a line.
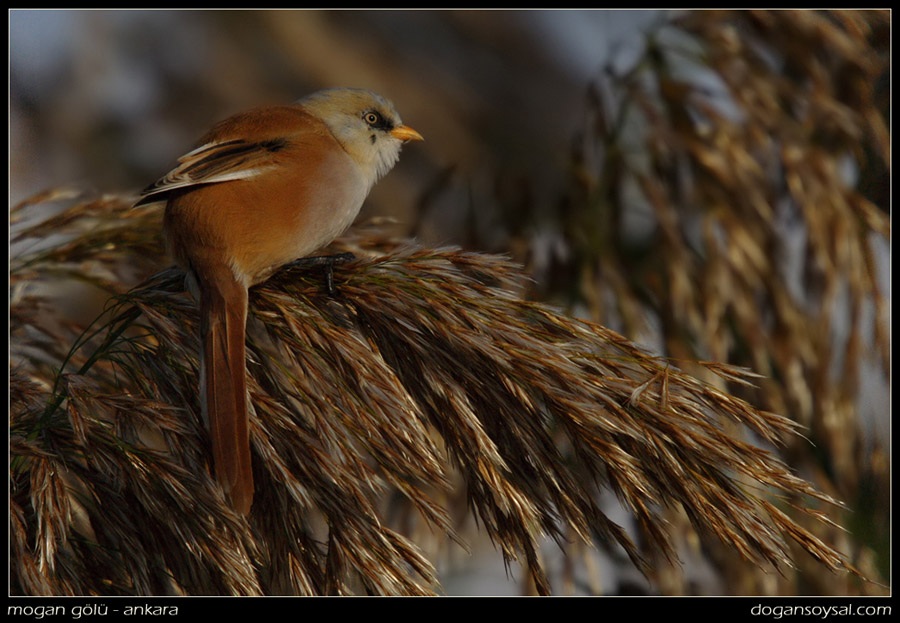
[215, 162]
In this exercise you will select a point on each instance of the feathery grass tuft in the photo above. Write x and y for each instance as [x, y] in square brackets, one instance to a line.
[425, 372]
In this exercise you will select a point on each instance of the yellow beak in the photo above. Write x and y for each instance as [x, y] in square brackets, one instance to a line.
[406, 133]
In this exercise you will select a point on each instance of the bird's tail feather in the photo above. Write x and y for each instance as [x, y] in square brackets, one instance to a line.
[224, 387]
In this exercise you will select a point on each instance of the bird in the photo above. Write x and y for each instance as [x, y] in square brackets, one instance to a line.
[263, 188]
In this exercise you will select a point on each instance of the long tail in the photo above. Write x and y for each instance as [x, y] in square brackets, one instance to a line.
[223, 313]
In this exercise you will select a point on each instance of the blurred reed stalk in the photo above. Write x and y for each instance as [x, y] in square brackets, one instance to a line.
[729, 200]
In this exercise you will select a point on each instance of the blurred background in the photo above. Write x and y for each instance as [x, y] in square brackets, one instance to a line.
[110, 98]
[714, 185]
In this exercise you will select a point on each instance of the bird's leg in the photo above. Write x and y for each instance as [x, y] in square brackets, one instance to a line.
[328, 261]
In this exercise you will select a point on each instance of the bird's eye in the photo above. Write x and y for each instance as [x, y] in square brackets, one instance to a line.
[372, 118]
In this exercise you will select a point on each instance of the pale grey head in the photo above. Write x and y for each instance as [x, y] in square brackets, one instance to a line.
[366, 125]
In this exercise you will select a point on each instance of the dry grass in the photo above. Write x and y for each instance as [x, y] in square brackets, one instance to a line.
[730, 199]
[428, 389]
[426, 375]
[731, 171]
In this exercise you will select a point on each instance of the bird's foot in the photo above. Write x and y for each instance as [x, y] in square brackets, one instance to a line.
[326, 261]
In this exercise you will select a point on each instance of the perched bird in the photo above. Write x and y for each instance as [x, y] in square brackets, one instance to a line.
[263, 188]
